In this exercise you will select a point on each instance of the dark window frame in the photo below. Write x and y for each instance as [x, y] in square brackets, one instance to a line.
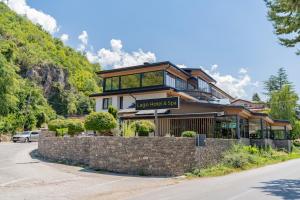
[106, 102]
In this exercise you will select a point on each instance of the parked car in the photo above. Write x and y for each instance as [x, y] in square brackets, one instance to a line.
[26, 136]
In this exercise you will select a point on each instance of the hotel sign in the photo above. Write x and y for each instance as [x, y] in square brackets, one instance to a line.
[154, 104]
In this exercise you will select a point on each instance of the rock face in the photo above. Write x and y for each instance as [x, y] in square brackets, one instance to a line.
[48, 76]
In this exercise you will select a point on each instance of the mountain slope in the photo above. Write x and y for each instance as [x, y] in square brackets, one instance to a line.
[64, 74]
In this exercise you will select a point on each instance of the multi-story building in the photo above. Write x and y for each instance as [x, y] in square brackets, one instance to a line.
[204, 107]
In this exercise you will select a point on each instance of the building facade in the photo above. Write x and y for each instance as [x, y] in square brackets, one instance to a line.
[204, 107]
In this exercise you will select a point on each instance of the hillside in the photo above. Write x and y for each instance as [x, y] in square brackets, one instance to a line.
[38, 73]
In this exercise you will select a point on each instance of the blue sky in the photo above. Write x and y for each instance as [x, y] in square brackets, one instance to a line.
[233, 36]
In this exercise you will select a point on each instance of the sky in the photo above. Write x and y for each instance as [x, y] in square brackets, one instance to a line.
[232, 40]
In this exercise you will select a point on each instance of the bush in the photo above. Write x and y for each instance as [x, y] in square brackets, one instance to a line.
[296, 143]
[143, 127]
[188, 134]
[63, 126]
[75, 126]
[100, 121]
[113, 111]
[57, 124]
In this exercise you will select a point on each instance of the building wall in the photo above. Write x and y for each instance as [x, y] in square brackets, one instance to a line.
[127, 99]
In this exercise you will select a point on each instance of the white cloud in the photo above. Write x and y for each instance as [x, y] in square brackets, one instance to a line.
[116, 57]
[181, 65]
[238, 86]
[83, 37]
[37, 17]
[64, 37]
[243, 71]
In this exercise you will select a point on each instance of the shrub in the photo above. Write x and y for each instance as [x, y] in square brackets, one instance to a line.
[188, 134]
[113, 111]
[251, 149]
[57, 124]
[296, 143]
[143, 127]
[75, 126]
[64, 126]
[61, 131]
[100, 121]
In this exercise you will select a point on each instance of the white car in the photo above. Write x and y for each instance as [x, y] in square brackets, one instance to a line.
[26, 136]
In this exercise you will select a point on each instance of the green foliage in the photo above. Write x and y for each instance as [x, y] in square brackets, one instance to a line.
[275, 83]
[61, 132]
[188, 134]
[143, 127]
[256, 97]
[100, 121]
[285, 17]
[24, 48]
[75, 126]
[28, 56]
[113, 111]
[283, 106]
[128, 130]
[241, 157]
[67, 126]
[57, 124]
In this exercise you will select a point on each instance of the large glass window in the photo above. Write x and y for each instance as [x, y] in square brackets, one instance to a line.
[180, 84]
[225, 127]
[255, 129]
[112, 83]
[204, 86]
[152, 78]
[107, 84]
[170, 80]
[115, 83]
[130, 81]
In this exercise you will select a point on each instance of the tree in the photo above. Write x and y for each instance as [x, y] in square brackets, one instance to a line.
[275, 83]
[283, 104]
[101, 122]
[256, 97]
[286, 20]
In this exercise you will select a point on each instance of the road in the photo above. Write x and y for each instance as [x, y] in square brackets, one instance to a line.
[23, 177]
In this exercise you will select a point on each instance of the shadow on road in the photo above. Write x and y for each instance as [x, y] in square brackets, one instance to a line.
[288, 189]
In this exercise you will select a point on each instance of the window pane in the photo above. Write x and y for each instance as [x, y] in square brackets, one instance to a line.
[130, 81]
[170, 80]
[153, 78]
[115, 83]
[107, 84]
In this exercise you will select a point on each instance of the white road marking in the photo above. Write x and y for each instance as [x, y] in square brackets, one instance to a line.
[13, 181]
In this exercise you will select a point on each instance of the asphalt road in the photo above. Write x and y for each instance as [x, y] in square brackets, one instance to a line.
[25, 178]
[22, 177]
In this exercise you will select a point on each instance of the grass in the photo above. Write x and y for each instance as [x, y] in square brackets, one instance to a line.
[240, 158]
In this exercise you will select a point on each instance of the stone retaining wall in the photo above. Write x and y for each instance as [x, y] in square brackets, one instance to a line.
[163, 156]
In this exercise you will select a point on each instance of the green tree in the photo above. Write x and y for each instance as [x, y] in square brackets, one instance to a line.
[102, 122]
[256, 97]
[286, 20]
[275, 83]
[283, 105]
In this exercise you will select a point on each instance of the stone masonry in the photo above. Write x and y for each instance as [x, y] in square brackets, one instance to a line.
[160, 156]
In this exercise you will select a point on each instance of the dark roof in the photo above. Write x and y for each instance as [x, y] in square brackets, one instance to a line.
[131, 91]
[199, 69]
[144, 65]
